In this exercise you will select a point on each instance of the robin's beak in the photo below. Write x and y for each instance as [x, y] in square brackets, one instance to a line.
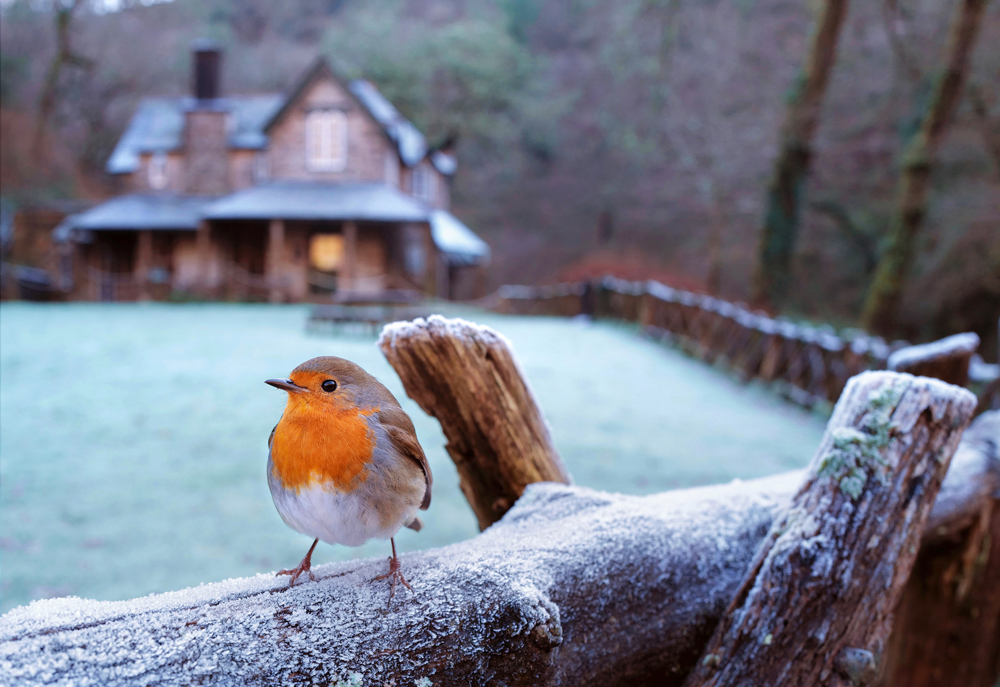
[284, 384]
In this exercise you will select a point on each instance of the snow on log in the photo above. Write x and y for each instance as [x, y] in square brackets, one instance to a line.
[572, 587]
[816, 606]
[946, 359]
[467, 377]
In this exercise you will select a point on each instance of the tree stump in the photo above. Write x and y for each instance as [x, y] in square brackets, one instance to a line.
[467, 377]
[816, 606]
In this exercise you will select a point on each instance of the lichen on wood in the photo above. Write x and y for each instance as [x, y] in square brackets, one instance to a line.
[823, 586]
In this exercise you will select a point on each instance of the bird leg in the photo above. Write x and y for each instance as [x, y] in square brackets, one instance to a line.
[394, 572]
[303, 567]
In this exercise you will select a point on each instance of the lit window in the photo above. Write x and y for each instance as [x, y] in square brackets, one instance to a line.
[326, 140]
[326, 252]
[422, 184]
[158, 171]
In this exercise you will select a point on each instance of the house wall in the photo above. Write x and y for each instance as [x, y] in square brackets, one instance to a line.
[366, 144]
[241, 169]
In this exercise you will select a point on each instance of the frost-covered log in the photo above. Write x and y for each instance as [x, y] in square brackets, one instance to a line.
[573, 587]
[466, 376]
[947, 627]
[816, 606]
[946, 359]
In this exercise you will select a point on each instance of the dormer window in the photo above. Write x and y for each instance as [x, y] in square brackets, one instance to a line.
[158, 178]
[422, 183]
[326, 140]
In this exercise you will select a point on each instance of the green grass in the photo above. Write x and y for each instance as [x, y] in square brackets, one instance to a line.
[133, 437]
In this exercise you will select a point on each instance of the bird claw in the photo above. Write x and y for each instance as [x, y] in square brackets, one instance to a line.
[302, 567]
[395, 575]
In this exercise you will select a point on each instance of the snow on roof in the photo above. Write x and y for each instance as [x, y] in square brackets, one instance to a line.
[457, 241]
[411, 143]
[948, 346]
[138, 211]
[158, 126]
[319, 201]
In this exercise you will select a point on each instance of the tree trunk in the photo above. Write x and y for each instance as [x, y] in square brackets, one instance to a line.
[816, 606]
[947, 359]
[466, 376]
[573, 587]
[896, 260]
[791, 168]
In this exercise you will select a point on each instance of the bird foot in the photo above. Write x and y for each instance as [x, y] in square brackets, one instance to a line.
[302, 567]
[395, 575]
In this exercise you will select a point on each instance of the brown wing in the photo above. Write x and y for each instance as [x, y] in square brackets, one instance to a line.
[398, 426]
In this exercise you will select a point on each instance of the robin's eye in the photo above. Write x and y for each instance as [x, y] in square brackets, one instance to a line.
[329, 386]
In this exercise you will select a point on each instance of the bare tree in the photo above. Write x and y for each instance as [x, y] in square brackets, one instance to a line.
[784, 196]
[896, 260]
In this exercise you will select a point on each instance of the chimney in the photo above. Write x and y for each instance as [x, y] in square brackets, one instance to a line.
[207, 63]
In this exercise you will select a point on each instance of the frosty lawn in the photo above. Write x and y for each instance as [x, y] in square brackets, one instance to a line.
[133, 437]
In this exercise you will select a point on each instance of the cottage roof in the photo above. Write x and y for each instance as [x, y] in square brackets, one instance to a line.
[158, 124]
[319, 201]
[459, 244]
[142, 211]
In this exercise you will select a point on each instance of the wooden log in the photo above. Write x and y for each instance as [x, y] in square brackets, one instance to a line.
[947, 359]
[816, 606]
[947, 628]
[573, 587]
[467, 377]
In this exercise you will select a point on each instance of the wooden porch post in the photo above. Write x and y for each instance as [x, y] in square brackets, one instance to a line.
[203, 247]
[273, 262]
[349, 270]
[143, 263]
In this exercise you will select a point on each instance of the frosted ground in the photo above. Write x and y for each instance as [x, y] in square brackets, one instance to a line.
[133, 437]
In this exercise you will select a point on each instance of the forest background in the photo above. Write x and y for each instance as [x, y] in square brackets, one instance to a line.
[632, 137]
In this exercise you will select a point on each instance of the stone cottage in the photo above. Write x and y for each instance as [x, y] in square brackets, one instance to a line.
[325, 190]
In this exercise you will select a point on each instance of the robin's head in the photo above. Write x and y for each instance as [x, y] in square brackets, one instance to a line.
[328, 380]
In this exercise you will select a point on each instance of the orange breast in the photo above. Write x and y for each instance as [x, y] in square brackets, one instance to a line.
[321, 444]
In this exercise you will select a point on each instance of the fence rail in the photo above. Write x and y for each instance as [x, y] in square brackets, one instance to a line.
[809, 364]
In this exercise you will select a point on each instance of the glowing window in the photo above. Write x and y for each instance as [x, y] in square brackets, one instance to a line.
[326, 140]
[326, 252]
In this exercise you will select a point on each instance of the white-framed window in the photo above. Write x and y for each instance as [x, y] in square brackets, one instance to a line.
[158, 178]
[326, 140]
[422, 183]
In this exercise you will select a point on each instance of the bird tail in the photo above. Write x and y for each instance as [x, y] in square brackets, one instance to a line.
[416, 524]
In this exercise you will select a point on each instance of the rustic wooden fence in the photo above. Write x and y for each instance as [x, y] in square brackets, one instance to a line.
[808, 364]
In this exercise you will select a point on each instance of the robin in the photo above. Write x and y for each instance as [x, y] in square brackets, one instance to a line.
[345, 465]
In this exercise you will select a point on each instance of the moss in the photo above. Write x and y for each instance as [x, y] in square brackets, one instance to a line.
[856, 454]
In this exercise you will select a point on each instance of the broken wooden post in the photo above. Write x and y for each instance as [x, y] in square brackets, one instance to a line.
[946, 359]
[816, 605]
[467, 377]
[947, 627]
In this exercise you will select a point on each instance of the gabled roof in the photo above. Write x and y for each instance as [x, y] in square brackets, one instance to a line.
[158, 124]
